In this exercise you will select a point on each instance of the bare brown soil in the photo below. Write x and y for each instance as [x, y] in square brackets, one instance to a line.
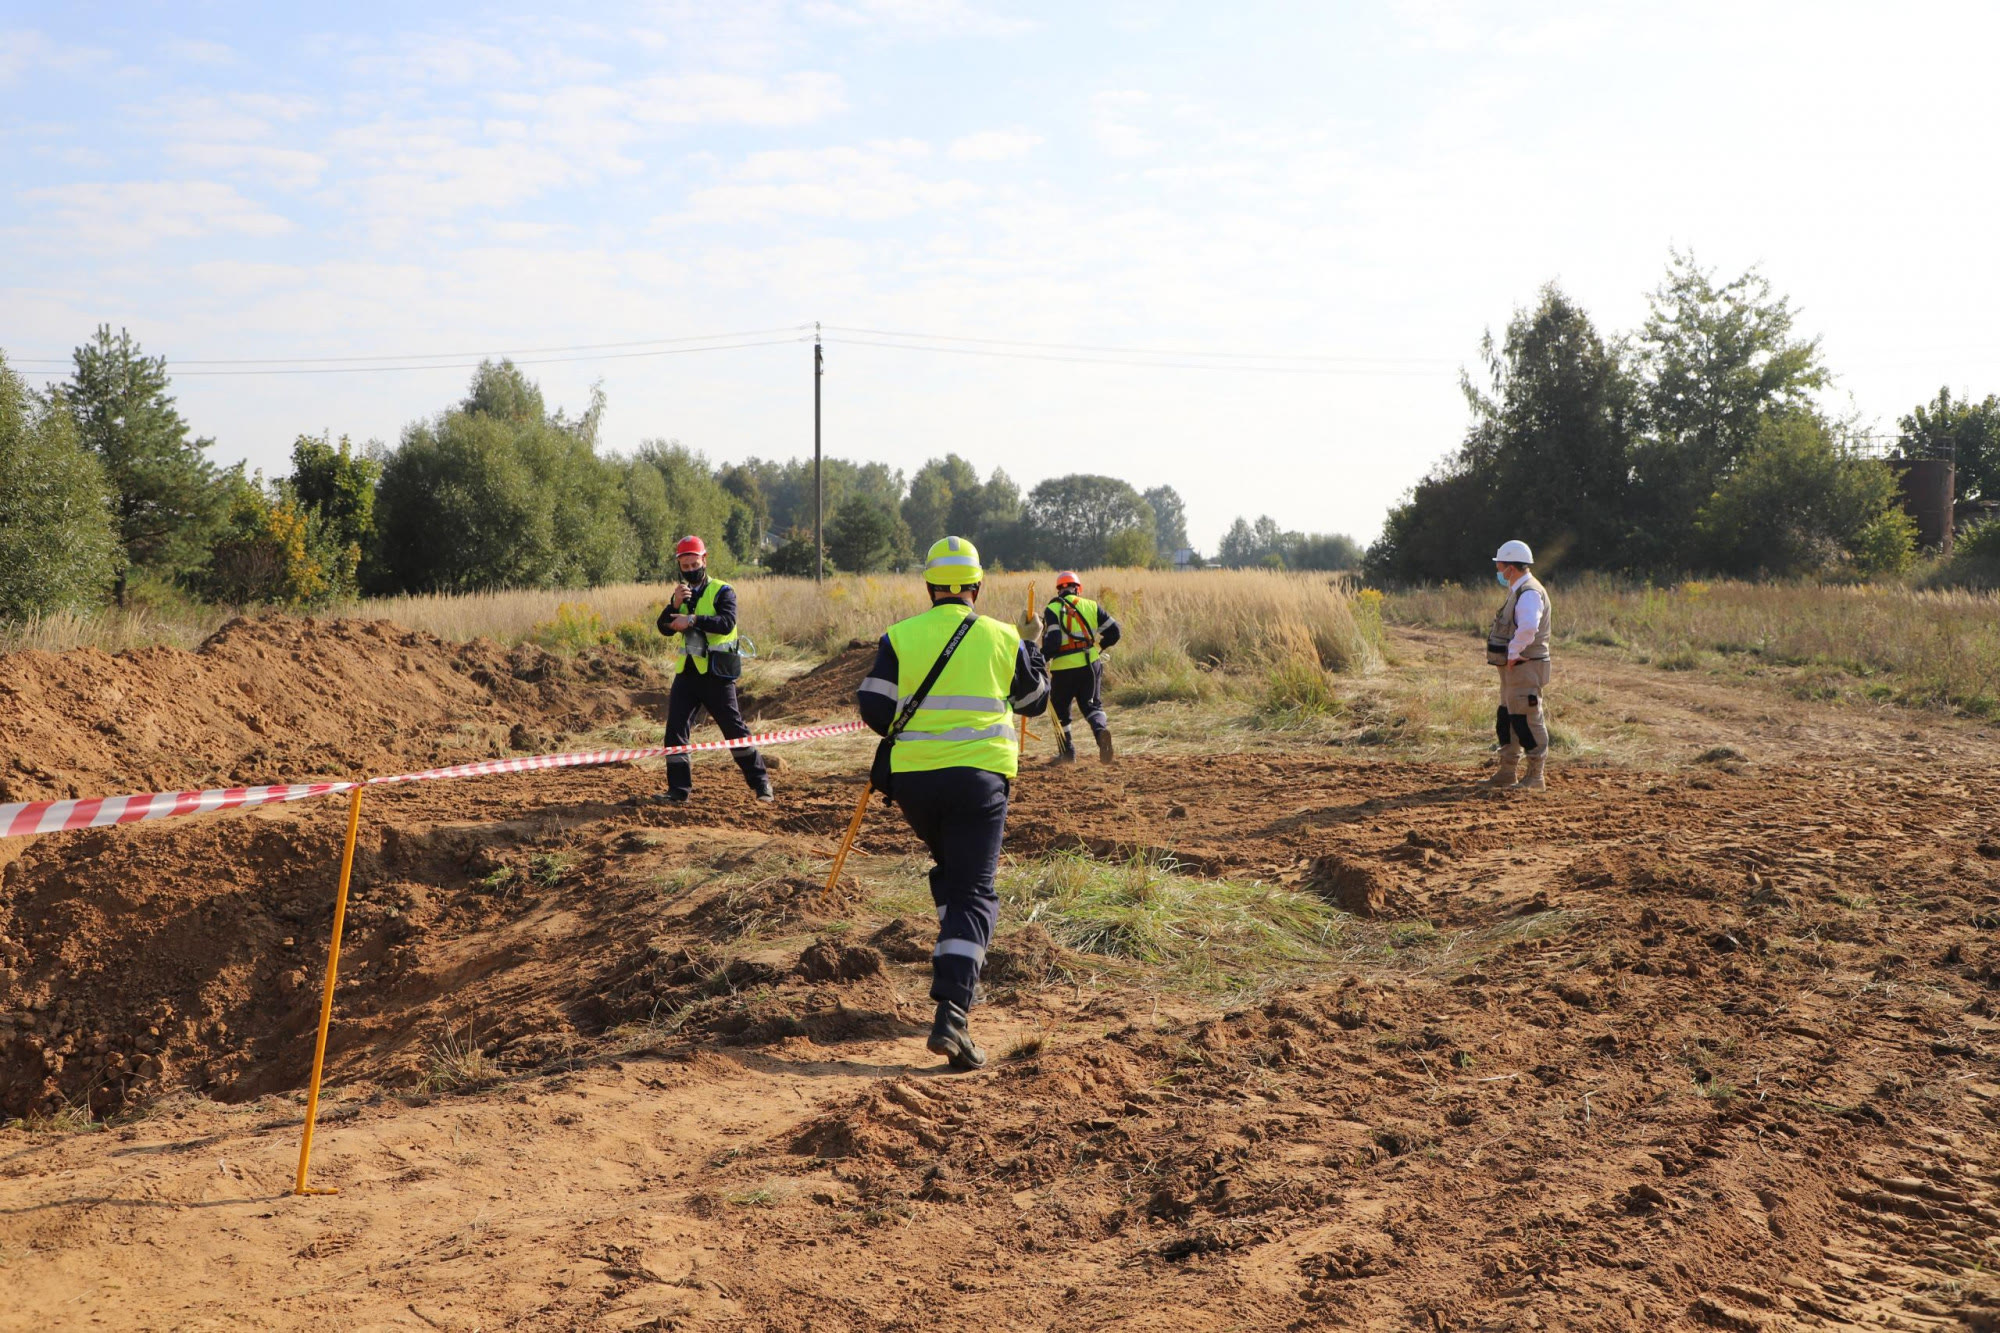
[1696, 1045]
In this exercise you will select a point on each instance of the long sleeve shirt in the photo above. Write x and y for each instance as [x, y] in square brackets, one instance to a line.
[718, 625]
[1108, 630]
[1527, 623]
[880, 692]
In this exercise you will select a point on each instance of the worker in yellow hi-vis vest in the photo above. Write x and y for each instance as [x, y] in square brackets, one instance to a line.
[943, 694]
[1075, 633]
[702, 611]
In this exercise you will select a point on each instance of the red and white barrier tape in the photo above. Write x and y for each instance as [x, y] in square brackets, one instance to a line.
[27, 818]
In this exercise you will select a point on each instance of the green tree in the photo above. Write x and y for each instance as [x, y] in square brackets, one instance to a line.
[1238, 548]
[1799, 503]
[1548, 456]
[696, 503]
[1966, 432]
[1131, 548]
[1714, 361]
[1072, 518]
[865, 535]
[58, 542]
[934, 490]
[165, 497]
[492, 495]
[1169, 520]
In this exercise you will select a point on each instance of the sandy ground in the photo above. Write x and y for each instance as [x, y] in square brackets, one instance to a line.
[1684, 1042]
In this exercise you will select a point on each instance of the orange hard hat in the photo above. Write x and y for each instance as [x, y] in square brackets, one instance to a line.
[1067, 579]
[691, 546]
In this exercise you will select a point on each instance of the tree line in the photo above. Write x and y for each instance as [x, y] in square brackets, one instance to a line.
[103, 488]
[1694, 445]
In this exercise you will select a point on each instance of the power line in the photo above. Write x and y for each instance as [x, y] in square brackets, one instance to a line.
[466, 365]
[432, 356]
[1133, 361]
[1323, 358]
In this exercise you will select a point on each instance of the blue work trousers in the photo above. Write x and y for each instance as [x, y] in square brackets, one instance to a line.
[961, 814]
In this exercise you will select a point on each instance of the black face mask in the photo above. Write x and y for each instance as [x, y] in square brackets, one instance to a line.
[695, 577]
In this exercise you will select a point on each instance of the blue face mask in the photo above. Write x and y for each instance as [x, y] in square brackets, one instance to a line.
[1500, 577]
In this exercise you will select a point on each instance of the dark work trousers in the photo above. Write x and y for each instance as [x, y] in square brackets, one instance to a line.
[960, 813]
[693, 692]
[1084, 687]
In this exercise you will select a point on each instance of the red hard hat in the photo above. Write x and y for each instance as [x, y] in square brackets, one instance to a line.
[1068, 579]
[691, 546]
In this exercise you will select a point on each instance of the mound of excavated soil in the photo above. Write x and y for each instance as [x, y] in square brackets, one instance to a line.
[275, 700]
[827, 691]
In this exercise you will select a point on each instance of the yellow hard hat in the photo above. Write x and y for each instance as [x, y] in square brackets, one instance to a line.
[952, 563]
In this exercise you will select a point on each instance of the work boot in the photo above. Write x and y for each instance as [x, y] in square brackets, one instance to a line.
[1065, 748]
[1510, 764]
[672, 796]
[1532, 779]
[951, 1037]
[762, 787]
[1104, 746]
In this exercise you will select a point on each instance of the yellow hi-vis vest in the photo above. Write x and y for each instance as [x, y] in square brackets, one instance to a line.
[1075, 616]
[966, 720]
[697, 645]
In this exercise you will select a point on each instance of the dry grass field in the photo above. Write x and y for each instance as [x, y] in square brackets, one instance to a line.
[1293, 1026]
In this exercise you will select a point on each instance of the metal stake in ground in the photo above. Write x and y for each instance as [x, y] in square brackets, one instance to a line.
[846, 842]
[326, 1000]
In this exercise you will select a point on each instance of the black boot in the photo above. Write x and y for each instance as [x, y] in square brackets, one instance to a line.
[1104, 745]
[1065, 749]
[951, 1037]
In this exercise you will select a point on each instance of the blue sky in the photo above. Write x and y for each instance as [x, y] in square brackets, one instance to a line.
[1372, 185]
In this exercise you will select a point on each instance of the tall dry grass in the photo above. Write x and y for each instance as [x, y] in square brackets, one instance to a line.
[1182, 632]
[1934, 648]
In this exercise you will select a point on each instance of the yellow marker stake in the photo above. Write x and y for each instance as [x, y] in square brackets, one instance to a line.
[847, 841]
[326, 1001]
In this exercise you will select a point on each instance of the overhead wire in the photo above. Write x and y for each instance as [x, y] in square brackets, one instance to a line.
[432, 356]
[466, 365]
[1145, 352]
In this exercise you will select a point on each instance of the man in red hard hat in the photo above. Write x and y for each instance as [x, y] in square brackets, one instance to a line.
[1075, 633]
[702, 611]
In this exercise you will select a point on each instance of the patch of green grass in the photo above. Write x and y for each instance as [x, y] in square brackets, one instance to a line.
[750, 1199]
[1298, 692]
[1160, 673]
[550, 868]
[69, 1118]
[1202, 934]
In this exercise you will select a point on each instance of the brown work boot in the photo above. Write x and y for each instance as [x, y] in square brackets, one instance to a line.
[1510, 764]
[1532, 779]
[1104, 746]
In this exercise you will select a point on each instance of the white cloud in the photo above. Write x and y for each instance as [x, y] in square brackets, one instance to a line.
[198, 51]
[452, 61]
[917, 18]
[1113, 115]
[710, 99]
[292, 168]
[993, 146]
[23, 49]
[870, 183]
[135, 214]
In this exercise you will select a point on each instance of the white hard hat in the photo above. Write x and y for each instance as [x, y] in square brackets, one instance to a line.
[1515, 553]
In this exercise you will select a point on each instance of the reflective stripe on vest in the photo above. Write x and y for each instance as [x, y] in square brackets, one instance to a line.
[965, 720]
[697, 645]
[1066, 607]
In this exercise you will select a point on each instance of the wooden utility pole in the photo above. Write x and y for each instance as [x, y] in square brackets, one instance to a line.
[819, 485]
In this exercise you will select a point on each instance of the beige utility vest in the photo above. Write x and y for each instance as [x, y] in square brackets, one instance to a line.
[1502, 632]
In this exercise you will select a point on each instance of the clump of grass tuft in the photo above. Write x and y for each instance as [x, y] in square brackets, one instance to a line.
[69, 1118]
[1297, 692]
[457, 1065]
[1206, 935]
[1160, 672]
